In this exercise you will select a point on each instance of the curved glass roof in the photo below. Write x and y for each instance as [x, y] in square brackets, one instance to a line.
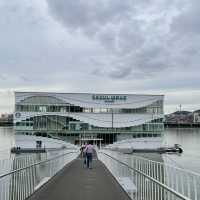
[42, 100]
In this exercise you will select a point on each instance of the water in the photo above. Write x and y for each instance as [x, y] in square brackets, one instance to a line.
[7, 140]
[25, 181]
[188, 138]
[189, 159]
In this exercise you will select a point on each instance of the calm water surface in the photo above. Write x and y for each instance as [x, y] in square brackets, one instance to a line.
[188, 138]
[190, 141]
[7, 140]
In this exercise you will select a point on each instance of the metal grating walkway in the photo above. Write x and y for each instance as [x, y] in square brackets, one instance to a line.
[75, 182]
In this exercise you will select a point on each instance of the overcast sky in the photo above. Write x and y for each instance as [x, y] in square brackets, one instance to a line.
[109, 46]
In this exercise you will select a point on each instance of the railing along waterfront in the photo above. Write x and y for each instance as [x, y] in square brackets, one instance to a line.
[151, 180]
[25, 175]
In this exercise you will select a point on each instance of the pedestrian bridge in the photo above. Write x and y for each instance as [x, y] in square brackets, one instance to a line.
[114, 176]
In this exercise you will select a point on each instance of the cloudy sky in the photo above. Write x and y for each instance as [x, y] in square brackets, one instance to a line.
[110, 46]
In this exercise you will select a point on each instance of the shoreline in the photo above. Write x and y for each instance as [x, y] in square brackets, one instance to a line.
[182, 125]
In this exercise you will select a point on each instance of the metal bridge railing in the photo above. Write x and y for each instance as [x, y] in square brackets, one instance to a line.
[144, 179]
[27, 176]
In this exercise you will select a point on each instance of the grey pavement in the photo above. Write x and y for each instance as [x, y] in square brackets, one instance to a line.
[75, 182]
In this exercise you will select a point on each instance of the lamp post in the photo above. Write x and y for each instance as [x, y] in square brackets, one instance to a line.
[112, 118]
[112, 132]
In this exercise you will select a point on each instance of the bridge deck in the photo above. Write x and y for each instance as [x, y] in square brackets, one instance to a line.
[75, 182]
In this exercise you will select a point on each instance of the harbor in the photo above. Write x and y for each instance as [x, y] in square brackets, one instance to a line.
[134, 159]
[187, 161]
[99, 100]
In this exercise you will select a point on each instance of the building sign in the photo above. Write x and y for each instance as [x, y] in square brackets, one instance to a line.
[109, 98]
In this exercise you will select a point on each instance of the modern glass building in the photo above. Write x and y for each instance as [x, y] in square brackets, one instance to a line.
[79, 115]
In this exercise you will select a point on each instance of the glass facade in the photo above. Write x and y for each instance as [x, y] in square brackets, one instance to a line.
[156, 108]
[60, 123]
[52, 115]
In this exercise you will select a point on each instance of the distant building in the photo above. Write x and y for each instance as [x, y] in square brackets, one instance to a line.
[196, 116]
[6, 118]
[179, 117]
[79, 115]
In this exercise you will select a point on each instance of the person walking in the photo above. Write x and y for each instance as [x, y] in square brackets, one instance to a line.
[83, 154]
[82, 150]
[89, 149]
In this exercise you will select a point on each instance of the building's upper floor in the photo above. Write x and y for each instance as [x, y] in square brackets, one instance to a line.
[88, 103]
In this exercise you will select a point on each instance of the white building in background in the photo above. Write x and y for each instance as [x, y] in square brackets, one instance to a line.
[78, 115]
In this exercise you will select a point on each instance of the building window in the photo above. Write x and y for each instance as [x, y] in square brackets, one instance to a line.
[63, 109]
[42, 108]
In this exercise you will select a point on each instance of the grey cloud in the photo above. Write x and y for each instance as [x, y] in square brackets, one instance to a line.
[122, 29]
[83, 14]
[185, 32]
[175, 84]
[187, 22]
[107, 38]
[132, 45]
[153, 58]
[120, 73]
[131, 37]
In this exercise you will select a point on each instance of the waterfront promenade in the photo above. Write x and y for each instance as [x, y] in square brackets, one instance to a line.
[75, 182]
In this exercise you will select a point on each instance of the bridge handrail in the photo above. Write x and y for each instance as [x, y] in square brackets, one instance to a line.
[150, 178]
[166, 165]
[35, 164]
